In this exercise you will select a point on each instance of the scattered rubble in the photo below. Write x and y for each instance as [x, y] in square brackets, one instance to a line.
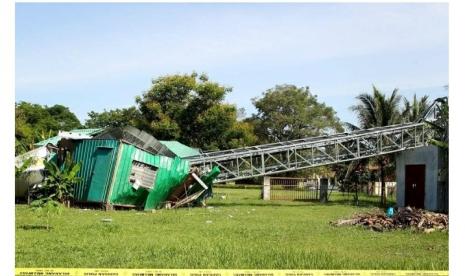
[417, 219]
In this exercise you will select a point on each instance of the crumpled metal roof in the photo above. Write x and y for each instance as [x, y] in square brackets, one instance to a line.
[130, 135]
[180, 149]
[147, 142]
[75, 132]
[136, 137]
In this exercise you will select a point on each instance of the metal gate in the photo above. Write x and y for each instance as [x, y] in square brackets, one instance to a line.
[287, 188]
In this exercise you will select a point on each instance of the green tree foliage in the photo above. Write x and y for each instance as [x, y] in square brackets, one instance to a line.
[191, 109]
[377, 110]
[441, 125]
[287, 112]
[113, 118]
[413, 110]
[34, 122]
[63, 118]
[25, 135]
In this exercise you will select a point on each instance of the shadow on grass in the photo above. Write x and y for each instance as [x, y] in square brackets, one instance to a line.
[33, 227]
[300, 203]
[284, 204]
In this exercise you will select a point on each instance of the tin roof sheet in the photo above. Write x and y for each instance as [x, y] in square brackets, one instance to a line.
[54, 140]
[180, 149]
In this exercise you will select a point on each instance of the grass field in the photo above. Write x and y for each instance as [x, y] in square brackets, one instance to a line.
[240, 231]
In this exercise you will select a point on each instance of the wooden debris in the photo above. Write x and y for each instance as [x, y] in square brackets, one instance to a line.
[404, 218]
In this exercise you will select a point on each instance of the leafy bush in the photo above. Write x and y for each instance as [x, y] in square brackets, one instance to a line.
[59, 182]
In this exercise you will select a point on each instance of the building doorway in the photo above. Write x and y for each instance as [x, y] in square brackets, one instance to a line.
[415, 186]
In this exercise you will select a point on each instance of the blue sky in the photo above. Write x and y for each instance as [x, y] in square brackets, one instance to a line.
[100, 56]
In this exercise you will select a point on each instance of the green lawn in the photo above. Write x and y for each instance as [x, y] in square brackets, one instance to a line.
[240, 231]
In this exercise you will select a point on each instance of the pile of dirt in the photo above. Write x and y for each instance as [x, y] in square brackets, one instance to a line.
[404, 218]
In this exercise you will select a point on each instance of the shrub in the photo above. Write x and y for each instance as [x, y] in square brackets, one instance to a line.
[59, 182]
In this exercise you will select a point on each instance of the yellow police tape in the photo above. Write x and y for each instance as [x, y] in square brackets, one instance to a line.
[217, 272]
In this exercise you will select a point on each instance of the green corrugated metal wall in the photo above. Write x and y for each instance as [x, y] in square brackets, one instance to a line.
[170, 174]
[85, 153]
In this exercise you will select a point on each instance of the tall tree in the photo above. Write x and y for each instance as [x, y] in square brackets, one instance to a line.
[191, 108]
[413, 110]
[24, 133]
[376, 110]
[288, 112]
[34, 122]
[64, 118]
[113, 118]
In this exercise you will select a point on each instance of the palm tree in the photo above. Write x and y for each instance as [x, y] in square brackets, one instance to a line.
[377, 110]
[412, 111]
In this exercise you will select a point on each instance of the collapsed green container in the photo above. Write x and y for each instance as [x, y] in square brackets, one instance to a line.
[106, 174]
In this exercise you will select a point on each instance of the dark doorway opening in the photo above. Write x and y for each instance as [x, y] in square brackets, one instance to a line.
[415, 186]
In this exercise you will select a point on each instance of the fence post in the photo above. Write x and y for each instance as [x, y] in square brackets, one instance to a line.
[266, 188]
[323, 190]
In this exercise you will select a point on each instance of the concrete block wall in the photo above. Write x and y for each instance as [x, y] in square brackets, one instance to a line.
[430, 157]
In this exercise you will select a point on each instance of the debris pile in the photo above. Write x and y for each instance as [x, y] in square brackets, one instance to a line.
[407, 217]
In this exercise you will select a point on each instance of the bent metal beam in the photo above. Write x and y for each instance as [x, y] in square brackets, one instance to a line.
[304, 153]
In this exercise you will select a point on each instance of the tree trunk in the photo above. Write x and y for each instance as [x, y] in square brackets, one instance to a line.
[383, 183]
